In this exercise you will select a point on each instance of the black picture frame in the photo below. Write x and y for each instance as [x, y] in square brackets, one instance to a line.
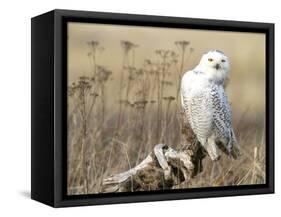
[49, 89]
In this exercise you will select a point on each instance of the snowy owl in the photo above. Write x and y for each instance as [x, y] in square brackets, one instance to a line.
[205, 103]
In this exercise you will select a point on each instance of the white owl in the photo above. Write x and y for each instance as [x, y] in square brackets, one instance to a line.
[205, 103]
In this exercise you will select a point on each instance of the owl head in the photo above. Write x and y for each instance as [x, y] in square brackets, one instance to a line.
[214, 65]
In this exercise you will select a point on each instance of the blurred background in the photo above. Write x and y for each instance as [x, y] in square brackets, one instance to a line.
[123, 99]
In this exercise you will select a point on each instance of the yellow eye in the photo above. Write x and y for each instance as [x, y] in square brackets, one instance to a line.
[210, 60]
[222, 61]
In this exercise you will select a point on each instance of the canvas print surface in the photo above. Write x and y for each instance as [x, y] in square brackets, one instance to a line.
[153, 108]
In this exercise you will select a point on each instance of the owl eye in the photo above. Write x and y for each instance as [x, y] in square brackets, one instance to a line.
[210, 60]
[222, 60]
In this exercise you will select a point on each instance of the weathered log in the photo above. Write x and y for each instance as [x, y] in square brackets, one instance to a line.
[163, 168]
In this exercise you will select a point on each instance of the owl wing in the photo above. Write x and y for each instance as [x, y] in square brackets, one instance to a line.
[222, 114]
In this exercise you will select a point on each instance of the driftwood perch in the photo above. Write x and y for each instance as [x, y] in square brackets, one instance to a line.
[163, 168]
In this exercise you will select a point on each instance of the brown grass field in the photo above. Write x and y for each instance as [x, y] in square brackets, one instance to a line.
[116, 115]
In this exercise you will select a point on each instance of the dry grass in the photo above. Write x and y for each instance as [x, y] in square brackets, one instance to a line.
[108, 136]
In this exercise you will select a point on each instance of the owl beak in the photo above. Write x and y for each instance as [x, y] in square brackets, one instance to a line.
[217, 66]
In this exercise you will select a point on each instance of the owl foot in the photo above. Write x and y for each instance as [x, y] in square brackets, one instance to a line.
[213, 152]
